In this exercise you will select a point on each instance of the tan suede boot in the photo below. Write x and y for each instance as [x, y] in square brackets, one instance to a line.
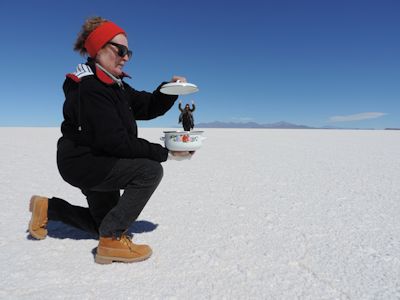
[121, 249]
[37, 225]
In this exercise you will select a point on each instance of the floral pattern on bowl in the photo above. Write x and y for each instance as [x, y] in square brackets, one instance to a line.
[186, 138]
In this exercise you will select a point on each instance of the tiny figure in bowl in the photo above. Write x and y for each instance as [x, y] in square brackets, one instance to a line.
[186, 116]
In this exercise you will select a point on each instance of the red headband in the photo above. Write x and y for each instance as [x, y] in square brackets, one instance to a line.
[100, 36]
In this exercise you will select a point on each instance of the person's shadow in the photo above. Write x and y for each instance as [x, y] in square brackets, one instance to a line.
[60, 230]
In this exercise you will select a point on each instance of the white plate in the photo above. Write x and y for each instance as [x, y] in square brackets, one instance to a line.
[179, 88]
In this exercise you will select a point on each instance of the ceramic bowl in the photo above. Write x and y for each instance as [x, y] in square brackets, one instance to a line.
[183, 140]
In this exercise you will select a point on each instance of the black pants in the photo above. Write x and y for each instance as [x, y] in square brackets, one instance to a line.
[110, 214]
[187, 122]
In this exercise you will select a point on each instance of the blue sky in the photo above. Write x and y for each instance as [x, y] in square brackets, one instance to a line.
[307, 62]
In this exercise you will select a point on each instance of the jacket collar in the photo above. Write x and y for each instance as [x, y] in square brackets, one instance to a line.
[105, 76]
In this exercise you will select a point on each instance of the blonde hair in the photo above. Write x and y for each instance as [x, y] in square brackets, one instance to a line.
[89, 25]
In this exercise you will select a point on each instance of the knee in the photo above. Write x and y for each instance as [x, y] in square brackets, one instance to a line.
[154, 171]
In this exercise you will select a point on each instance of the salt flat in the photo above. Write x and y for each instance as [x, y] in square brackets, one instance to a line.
[255, 214]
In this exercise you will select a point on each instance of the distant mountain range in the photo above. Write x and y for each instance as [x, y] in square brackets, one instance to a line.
[281, 124]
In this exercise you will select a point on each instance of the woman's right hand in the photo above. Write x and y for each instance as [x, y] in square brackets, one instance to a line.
[178, 78]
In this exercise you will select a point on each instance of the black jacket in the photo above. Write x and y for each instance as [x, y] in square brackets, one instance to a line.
[100, 127]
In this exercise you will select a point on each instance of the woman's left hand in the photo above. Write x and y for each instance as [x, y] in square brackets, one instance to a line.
[180, 155]
[178, 78]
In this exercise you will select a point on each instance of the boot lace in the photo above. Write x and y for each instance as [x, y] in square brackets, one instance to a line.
[44, 224]
[127, 241]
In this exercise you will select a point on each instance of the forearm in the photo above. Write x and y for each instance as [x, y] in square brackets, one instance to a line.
[148, 106]
[109, 135]
[132, 147]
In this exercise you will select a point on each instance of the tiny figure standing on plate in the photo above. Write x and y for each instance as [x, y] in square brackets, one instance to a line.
[186, 116]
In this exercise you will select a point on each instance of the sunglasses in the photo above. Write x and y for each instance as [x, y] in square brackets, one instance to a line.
[122, 50]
